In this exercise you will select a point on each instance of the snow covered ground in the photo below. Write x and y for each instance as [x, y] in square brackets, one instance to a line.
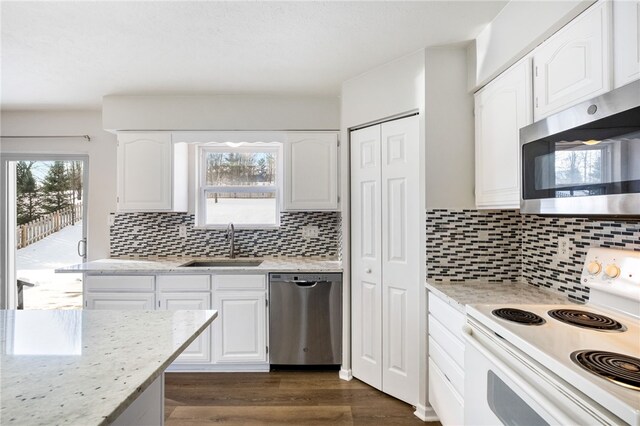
[36, 264]
[241, 210]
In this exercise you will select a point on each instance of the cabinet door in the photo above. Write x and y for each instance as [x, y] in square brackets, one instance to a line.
[200, 350]
[144, 171]
[573, 65]
[240, 329]
[626, 42]
[120, 301]
[503, 107]
[366, 256]
[311, 171]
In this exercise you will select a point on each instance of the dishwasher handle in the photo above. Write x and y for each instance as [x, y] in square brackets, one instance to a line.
[302, 283]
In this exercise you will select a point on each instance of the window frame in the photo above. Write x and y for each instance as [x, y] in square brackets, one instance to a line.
[241, 147]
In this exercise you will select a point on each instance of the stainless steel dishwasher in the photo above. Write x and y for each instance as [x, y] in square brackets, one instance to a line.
[305, 319]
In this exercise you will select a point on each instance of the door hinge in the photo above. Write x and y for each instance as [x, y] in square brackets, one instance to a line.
[158, 303]
[86, 303]
[536, 67]
[266, 302]
[536, 102]
[267, 349]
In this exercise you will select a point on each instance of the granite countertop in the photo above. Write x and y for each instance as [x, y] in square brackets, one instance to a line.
[172, 265]
[459, 294]
[78, 367]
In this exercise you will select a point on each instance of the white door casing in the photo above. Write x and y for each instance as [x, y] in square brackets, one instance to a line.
[401, 234]
[366, 256]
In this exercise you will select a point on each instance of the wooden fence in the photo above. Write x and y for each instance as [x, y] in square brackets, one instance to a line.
[37, 229]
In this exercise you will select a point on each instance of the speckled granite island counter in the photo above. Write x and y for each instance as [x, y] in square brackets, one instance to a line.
[90, 367]
[459, 294]
[169, 265]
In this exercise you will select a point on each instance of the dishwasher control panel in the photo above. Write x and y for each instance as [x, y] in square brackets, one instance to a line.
[306, 276]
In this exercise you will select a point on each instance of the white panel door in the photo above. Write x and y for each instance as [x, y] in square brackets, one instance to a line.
[503, 107]
[311, 171]
[401, 233]
[144, 171]
[241, 327]
[120, 301]
[366, 256]
[626, 41]
[200, 350]
[574, 64]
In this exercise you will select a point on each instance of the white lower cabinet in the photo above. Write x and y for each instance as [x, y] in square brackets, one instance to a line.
[237, 339]
[240, 332]
[200, 350]
[446, 361]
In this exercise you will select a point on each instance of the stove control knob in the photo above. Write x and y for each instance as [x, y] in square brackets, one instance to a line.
[612, 271]
[594, 267]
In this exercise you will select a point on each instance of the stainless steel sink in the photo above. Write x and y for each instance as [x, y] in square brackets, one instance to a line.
[220, 263]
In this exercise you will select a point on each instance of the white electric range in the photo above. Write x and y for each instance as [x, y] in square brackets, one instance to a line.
[560, 364]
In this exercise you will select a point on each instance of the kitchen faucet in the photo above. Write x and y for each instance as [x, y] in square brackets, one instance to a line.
[231, 236]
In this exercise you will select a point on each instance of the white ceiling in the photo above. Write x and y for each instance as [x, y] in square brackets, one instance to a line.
[70, 54]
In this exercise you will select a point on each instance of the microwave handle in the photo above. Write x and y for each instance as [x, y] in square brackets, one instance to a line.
[558, 415]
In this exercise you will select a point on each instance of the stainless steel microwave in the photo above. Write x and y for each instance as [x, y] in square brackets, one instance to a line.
[584, 160]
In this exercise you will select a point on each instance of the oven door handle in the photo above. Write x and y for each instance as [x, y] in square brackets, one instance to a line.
[557, 414]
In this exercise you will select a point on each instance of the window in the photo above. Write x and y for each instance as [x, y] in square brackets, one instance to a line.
[239, 184]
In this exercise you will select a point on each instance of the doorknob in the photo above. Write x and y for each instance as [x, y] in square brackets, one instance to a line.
[367, 270]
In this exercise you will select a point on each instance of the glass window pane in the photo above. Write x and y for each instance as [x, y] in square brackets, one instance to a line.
[240, 168]
[246, 208]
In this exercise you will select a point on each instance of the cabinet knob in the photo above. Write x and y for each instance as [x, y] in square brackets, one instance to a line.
[367, 270]
[612, 271]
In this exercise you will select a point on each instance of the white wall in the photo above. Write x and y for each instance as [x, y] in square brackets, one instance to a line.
[519, 27]
[101, 192]
[221, 112]
[449, 130]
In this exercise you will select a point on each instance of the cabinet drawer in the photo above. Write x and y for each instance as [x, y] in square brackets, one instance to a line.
[451, 318]
[447, 366]
[447, 341]
[240, 282]
[184, 282]
[124, 283]
[447, 403]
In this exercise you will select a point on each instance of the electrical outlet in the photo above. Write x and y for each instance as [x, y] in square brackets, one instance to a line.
[111, 219]
[310, 232]
[182, 231]
[565, 248]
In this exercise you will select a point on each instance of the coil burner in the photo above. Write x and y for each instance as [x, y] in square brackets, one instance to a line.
[623, 370]
[519, 316]
[586, 319]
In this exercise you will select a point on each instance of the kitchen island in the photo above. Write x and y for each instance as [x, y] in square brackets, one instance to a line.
[90, 367]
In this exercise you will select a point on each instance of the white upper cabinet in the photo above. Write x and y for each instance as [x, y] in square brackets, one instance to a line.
[574, 64]
[152, 172]
[502, 108]
[311, 171]
[626, 42]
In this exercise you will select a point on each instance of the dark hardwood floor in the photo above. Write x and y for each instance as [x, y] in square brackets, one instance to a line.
[282, 397]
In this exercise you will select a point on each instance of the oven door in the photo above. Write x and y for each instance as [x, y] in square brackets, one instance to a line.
[501, 388]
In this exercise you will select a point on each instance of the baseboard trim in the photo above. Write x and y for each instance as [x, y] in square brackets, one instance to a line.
[220, 368]
[345, 374]
[426, 414]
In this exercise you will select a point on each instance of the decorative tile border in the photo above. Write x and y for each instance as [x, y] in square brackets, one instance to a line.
[156, 234]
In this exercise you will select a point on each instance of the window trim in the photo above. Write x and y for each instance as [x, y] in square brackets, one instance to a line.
[202, 188]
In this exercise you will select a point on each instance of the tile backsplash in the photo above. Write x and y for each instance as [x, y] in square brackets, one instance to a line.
[156, 234]
[467, 245]
[504, 245]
